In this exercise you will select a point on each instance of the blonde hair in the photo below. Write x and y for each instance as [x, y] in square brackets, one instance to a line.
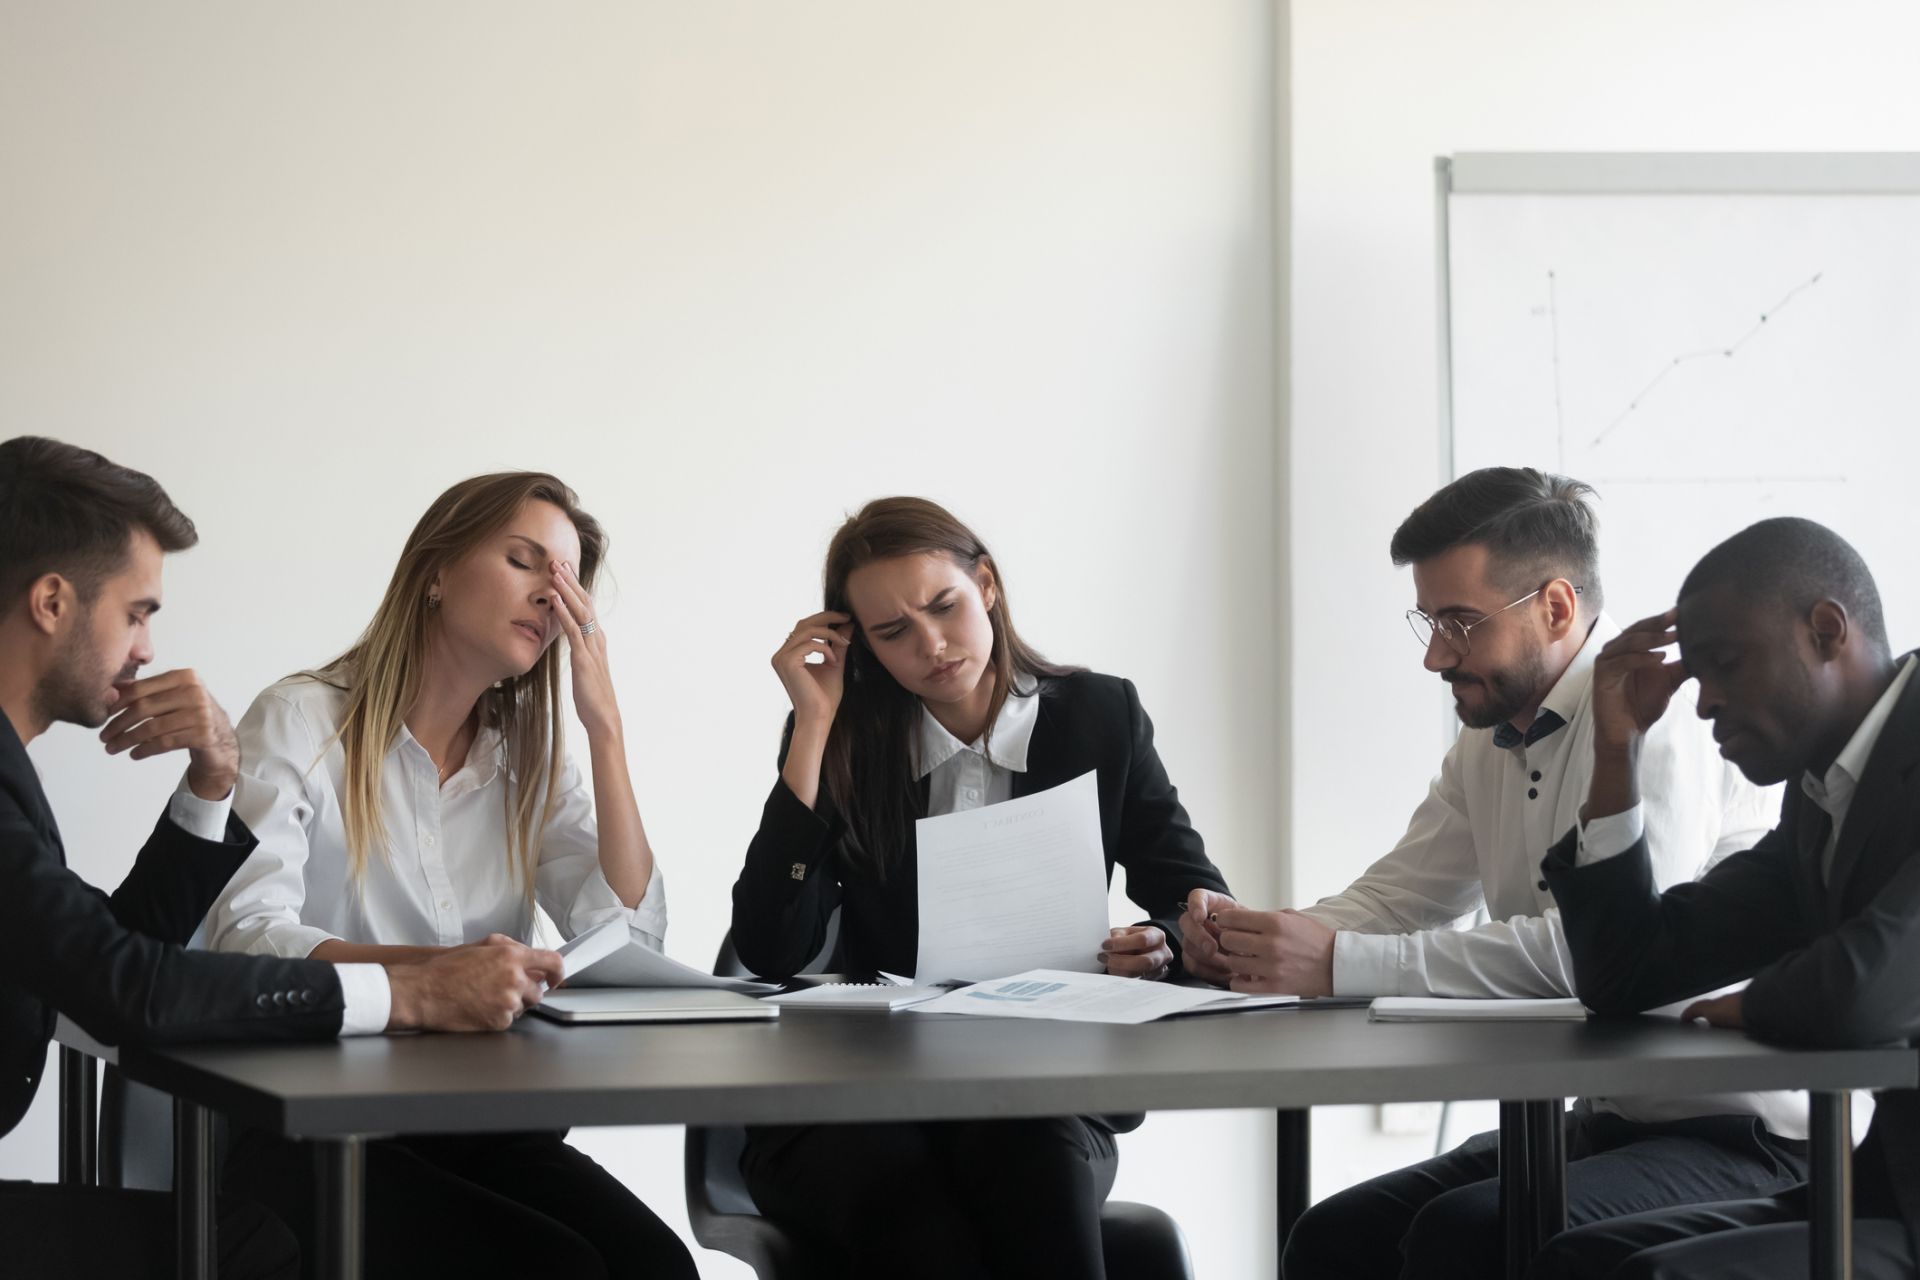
[381, 673]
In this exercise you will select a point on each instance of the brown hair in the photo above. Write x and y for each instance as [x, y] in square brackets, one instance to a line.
[1532, 523]
[67, 510]
[868, 770]
[381, 672]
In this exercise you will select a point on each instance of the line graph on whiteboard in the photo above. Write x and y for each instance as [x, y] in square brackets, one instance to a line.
[1677, 365]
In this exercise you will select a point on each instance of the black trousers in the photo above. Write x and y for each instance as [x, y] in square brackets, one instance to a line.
[1734, 1240]
[1441, 1218]
[959, 1200]
[76, 1233]
[474, 1205]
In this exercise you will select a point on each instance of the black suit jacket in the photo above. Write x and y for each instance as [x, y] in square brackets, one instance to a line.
[116, 964]
[1833, 961]
[1085, 721]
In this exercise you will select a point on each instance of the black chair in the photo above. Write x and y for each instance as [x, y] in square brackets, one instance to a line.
[136, 1135]
[1138, 1241]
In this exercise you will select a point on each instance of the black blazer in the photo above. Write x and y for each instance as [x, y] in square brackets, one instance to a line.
[117, 965]
[1832, 963]
[1085, 721]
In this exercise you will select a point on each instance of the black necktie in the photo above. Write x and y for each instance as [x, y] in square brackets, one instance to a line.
[1506, 737]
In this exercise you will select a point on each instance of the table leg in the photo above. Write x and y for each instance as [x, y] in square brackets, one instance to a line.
[193, 1190]
[1831, 1186]
[340, 1178]
[1547, 1149]
[1533, 1178]
[79, 1114]
[1516, 1180]
[1293, 1167]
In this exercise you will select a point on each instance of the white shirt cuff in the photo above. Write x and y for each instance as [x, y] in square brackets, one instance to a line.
[369, 999]
[1611, 836]
[597, 903]
[206, 819]
[1366, 964]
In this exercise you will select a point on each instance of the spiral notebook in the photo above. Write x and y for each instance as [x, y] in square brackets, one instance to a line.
[856, 995]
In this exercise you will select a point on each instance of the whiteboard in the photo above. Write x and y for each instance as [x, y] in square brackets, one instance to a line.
[1707, 340]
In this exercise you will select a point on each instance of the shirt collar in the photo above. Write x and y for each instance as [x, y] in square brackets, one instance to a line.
[1563, 700]
[1844, 774]
[1007, 742]
[485, 758]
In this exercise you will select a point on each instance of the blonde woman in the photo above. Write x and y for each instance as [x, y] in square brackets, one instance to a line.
[416, 795]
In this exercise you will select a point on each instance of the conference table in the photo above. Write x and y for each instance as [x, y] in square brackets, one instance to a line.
[818, 1066]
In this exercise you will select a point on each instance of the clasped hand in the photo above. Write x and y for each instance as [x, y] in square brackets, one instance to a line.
[1258, 952]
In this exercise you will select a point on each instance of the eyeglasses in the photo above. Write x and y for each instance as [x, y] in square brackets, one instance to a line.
[1455, 632]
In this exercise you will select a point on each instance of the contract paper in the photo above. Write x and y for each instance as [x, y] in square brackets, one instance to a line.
[1013, 886]
[1086, 997]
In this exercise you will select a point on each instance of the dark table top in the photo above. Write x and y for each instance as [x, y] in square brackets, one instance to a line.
[821, 1066]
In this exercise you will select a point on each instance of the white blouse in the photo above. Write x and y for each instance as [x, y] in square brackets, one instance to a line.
[443, 878]
[972, 775]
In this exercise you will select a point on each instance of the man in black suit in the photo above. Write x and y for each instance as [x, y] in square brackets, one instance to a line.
[1782, 626]
[81, 546]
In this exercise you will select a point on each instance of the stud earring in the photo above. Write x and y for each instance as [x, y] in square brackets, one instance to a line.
[433, 602]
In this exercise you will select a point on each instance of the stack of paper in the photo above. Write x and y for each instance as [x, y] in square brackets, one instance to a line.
[857, 995]
[1436, 1009]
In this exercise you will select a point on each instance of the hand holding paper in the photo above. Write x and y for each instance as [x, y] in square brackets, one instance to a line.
[1137, 951]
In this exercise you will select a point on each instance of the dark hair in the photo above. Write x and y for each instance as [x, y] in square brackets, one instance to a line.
[868, 770]
[67, 510]
[1795, 563]
[1534, 525]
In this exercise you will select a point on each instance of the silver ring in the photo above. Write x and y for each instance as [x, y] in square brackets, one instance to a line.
[588, 627]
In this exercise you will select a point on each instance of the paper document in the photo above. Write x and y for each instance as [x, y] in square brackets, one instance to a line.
[593, 946]
[1014, 886]
[1438, 1009]
[1233, 1002]
[610, 955]
[1079, 997]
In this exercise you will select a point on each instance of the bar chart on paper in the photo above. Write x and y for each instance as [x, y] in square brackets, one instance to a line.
[1703, 358]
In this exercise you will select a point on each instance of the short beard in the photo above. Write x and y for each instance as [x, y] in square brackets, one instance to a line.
[1509, 692]
[72, 691]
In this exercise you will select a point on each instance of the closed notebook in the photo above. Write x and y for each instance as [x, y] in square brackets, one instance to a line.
[1437, 1009]
[856, 995]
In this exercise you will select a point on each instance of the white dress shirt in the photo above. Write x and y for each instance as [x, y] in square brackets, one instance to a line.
[1478, 837]
[366, 996]
[442, 878]
[970, 775]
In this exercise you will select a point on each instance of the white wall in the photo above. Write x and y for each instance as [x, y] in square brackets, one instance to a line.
[731, 269]
[1378, 90]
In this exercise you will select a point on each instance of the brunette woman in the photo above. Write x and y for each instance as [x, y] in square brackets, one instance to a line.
[914, 696]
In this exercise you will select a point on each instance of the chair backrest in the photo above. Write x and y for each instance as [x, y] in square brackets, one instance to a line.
[714, 1182]
[713, 1170]
[826, 960]
[136, 1134]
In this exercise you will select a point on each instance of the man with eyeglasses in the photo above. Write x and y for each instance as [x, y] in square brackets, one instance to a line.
[1507, 583]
